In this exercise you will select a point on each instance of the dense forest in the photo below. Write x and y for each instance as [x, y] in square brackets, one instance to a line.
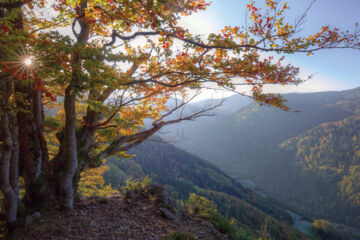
[328, 157]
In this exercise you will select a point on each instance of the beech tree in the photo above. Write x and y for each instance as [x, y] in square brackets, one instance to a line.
[68, 102]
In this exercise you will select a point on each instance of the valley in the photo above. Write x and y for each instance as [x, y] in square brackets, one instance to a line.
[307, 160]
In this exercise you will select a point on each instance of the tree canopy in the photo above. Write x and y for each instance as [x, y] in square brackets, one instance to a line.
[68, 102]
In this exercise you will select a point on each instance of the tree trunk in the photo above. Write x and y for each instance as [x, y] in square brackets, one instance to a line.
[30, 144]
[70, 167]
[14, 161]
[10, 198]
[71, 158]
[7, 168]
[38, 111]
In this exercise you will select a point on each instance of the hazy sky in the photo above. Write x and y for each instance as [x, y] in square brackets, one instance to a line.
[334, 69]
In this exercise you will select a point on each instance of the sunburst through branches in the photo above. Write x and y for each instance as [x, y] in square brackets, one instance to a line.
[21, 64]
[24, 66]
[28, 61]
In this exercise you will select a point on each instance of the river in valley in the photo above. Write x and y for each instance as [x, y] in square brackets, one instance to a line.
[298, 221]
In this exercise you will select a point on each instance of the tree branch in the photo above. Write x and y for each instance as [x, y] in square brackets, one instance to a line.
[11, 5]
[115, 35]
[124, 143]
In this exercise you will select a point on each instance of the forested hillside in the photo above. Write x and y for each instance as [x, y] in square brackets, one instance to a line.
[246, 145]
[328, 157]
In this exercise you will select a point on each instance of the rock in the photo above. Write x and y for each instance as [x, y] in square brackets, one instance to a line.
[158, 192]
[31, 218]
[167, 214]
[93, 224]
[172, 202]
[82, 213]
[102, 200]
[179, 214]
[130, 194]
[163, 197]
[36, 215]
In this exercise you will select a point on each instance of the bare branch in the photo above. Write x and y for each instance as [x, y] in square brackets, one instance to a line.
[115, 35]
[124, 143]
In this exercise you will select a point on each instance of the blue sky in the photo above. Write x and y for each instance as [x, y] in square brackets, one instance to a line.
[334, 69]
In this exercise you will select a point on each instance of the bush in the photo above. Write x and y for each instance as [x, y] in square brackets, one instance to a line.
[207, 209]
[136, 185]
[201, 206]
[92, 183]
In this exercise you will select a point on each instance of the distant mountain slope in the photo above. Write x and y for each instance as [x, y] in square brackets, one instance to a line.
[183, 173]
[245, 145]
[231, 141]
[328, 157]
[183, 131]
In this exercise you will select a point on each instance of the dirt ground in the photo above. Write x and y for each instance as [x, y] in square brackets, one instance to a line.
[116, 218]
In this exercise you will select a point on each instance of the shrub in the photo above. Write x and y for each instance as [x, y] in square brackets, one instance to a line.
[92, 183]
[201, 206]
[136, 185]
[207, 210]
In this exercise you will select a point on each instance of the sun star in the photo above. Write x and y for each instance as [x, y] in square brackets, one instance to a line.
[28, 61]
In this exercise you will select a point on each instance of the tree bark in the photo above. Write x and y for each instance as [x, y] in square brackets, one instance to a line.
[7, 168]
[14, 161]
[30, 144]
[71, 158]
[70, 167]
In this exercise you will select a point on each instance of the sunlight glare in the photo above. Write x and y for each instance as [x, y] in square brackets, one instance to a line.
[28, 61]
